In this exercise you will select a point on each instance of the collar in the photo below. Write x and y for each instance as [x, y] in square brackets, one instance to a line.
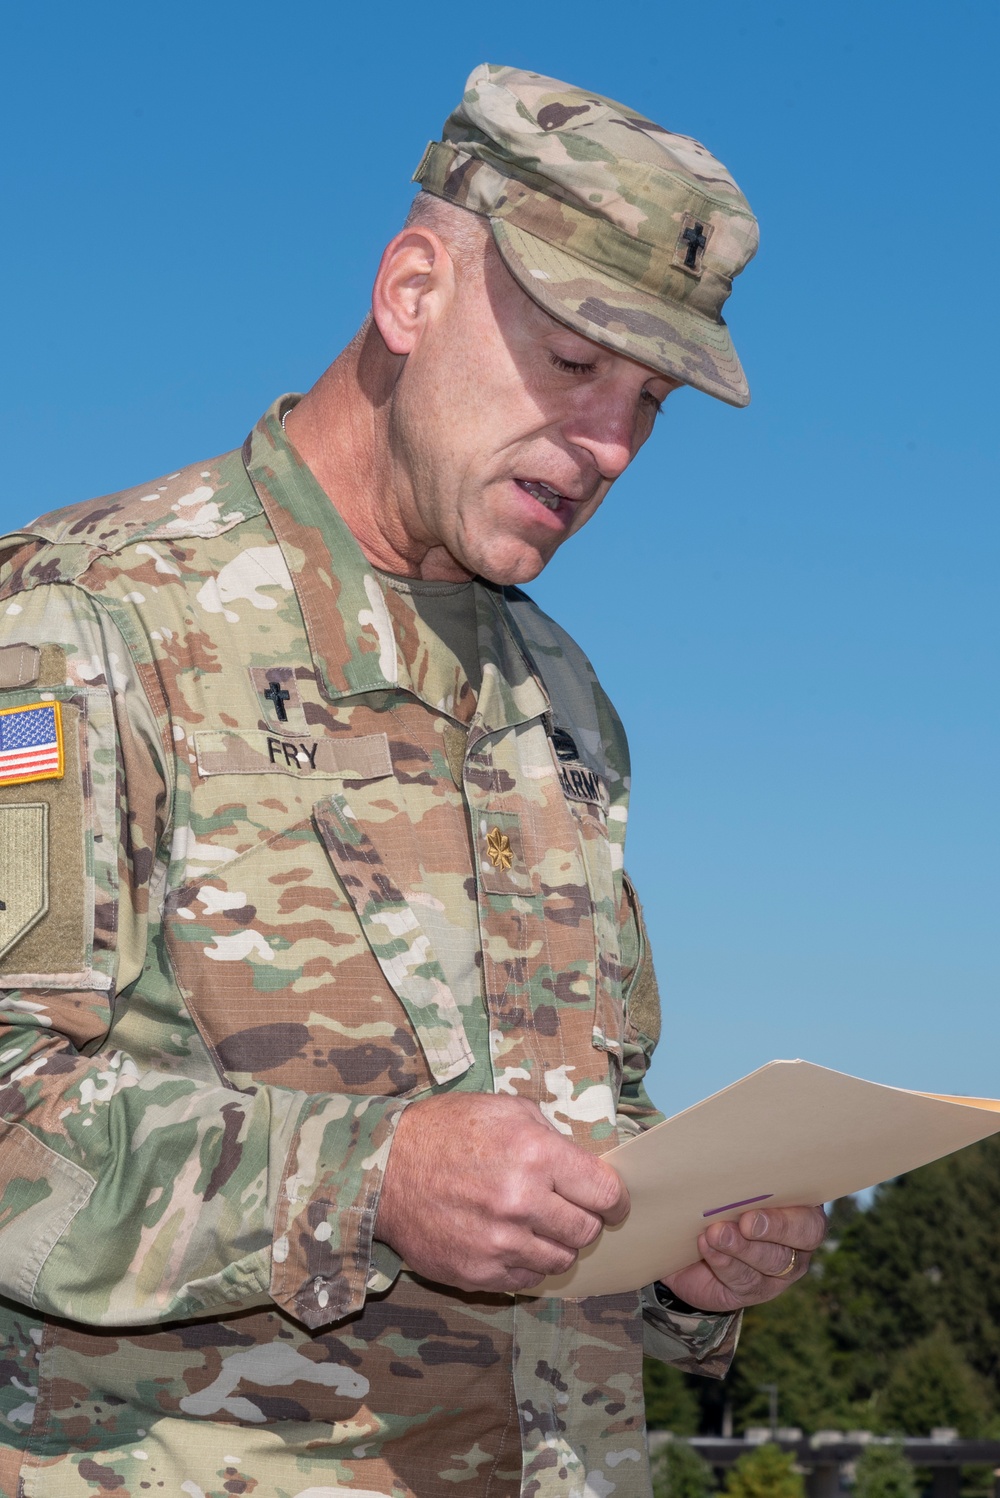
[351, 637]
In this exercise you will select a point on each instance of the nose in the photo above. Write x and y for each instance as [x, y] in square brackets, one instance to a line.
[605, 428]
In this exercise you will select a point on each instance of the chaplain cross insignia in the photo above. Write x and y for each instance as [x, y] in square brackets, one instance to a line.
[695, 239]
[498, 848]
[277, 694]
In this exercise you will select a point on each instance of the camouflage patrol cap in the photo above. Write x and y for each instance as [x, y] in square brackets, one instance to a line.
[625, 232]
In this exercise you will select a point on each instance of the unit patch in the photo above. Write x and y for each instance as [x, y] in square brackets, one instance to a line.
[579, 783]
[24, 867]
[564, 744]
[46, 838]
[31, 743]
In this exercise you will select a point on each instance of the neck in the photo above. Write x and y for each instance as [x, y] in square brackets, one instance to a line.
[341, 431]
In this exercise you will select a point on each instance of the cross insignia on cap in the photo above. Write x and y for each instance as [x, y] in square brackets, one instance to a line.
[694, 235]
[694, 238]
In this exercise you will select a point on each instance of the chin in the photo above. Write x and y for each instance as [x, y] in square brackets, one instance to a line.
[520, 565]
[507, 577]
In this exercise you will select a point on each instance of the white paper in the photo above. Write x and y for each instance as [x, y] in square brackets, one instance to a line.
[790, 1134]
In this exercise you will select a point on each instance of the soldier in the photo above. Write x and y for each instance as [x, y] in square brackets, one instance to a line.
[318, 956]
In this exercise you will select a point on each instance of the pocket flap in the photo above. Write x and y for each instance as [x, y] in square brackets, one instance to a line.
[398, 942]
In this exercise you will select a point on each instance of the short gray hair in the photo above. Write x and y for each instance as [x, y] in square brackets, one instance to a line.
[464, 232]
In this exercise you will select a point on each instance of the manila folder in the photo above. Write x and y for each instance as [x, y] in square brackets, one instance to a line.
[790, 1134]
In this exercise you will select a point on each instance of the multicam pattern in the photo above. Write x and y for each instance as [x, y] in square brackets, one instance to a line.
[290, 928]
[625, 231]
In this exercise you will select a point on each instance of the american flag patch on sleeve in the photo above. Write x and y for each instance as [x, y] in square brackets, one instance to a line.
[31, 743]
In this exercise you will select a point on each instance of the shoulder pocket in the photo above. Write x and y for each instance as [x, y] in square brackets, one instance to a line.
[58, 840]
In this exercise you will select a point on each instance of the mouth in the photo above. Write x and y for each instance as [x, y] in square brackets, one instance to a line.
[544, 493]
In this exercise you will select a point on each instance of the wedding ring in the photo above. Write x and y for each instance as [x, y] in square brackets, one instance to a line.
[788, 1267]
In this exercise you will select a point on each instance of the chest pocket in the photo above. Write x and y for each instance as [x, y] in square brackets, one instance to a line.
[304, 965]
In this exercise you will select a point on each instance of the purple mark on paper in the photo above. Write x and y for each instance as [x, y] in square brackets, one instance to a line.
[730, 1206]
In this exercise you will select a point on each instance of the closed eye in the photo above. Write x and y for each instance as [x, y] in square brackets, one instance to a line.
[569, 367]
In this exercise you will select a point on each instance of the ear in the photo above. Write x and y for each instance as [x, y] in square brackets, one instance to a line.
[416, 277]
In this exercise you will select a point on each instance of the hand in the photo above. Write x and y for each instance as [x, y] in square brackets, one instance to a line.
[482, 1192]
[741, 1262]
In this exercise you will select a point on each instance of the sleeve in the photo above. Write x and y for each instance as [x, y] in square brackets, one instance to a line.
[641, 1003]
[132, 1194]
[700, 1342]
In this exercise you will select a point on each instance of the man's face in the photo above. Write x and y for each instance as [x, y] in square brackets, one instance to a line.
[510, 428]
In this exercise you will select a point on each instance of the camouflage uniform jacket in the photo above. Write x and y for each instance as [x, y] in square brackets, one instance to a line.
[287, 895]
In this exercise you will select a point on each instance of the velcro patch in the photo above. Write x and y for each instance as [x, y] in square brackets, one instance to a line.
[19, 666]
[24, 870]
[55, 945]
[230, 751]
[31, 743]
[581, 784]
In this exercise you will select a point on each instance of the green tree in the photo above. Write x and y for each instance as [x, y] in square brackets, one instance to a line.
[679, 1472]
[856, 1343]
[765, 1472]
[923, 1255]
[932, 1384]
[787, 1342]
[884, 1472]
[840, 1217]
[671, 1403]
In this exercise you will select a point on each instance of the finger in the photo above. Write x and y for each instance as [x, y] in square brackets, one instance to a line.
[773, 1259]
[496, 1279]
[622, 1203]
[541, 1256]
[588, 1183]
[749, 1284]
[514, 1261]
[738, 1279]
[753, 1280]
[562, 1222]
[798, 1227]
[520, 1279]
[701, 1288]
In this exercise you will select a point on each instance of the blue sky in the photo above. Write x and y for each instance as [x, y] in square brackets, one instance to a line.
[793, 606]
